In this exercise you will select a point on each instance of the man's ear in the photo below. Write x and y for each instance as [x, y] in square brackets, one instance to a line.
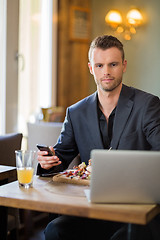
[124, 65]
[90, 68]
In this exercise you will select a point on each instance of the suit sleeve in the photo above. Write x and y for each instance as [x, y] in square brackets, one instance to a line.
[151, 122]
[66, 148]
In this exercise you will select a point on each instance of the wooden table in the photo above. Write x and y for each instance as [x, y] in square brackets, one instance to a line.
[70, 199]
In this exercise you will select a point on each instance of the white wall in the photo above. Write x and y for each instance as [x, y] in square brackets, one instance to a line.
[143, 51]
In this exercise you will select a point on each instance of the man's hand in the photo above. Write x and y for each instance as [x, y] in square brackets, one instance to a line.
[47, 162]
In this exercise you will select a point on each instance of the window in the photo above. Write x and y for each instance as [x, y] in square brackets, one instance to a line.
[35, 59]
[36, 84]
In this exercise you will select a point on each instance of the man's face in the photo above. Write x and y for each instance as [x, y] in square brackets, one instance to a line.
[107, 68]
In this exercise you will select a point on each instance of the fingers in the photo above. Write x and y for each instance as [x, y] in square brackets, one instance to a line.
[52, 149]
[47, 165]
[47, 162]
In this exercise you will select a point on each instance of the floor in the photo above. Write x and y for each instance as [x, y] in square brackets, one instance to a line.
[37, 235]
[37, 232]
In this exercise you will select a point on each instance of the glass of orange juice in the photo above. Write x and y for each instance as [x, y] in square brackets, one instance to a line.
[25, 167]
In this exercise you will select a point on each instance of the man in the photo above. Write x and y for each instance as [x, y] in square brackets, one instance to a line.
[114, 116]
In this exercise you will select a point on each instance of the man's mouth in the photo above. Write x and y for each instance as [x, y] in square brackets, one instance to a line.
[107, 79]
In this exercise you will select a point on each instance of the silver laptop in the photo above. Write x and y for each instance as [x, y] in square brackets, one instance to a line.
[120, 176]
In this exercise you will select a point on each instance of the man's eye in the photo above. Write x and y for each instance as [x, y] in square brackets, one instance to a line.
[113, 64]
[99, 65]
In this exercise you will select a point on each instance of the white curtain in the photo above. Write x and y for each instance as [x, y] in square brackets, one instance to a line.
[35, 62]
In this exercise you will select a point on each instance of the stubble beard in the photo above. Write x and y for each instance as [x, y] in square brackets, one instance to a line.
[109, 88]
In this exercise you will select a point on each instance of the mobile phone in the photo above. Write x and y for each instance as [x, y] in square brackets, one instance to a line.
[45, 148]
[48, 174]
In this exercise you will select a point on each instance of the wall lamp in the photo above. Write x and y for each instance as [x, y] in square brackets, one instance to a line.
[126, 26]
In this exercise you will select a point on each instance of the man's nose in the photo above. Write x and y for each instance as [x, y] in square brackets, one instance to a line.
[106, 70]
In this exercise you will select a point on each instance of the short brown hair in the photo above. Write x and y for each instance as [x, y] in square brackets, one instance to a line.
[104, 42]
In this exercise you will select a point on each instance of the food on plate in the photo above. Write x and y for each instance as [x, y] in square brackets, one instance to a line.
[78, 175]
[81, 171]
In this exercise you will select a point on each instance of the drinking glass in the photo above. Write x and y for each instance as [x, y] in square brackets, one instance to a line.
[25, 167]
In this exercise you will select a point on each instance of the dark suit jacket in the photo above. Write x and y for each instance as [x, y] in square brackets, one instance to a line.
[136, 126]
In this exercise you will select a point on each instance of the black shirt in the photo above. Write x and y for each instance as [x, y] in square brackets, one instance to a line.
[106, 130]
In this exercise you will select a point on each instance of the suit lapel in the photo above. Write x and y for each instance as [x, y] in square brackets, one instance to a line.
[123, 111]
[93, 124]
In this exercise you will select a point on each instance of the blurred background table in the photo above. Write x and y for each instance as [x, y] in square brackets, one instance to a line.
[6, 173]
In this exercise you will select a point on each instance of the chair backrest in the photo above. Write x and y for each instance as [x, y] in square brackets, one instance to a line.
[46, 133]
[8, 144]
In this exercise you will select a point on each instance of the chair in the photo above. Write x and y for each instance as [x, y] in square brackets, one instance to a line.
[43, 133]
[53, 114]
[46, 133]
[8, 144]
